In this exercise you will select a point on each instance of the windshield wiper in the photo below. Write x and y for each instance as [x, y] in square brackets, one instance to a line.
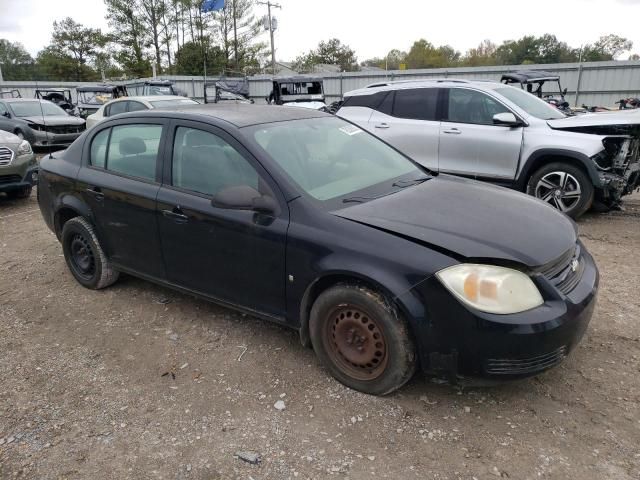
[409, 183]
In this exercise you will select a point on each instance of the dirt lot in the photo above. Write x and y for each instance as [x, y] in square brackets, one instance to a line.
[137, 381]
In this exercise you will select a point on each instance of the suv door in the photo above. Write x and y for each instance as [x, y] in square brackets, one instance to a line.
[470, 144]
[120, 182]
[236, 256]
[408, 120]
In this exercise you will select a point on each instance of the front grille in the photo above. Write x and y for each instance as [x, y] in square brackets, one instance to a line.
[4, 179]
[565, 272]
[523, 366]
[65, 129]
[6, 156]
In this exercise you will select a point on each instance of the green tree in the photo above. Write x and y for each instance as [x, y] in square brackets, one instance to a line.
[484, 54]
[128, 37]
[516, 52]
[331, 52]
[552, 50]
[80, 43]
[52, 64]
[607, 47]
[424, 55]
[189, 60]
[17, 64]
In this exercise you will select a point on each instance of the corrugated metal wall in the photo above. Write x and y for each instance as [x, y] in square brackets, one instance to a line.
[597, 83]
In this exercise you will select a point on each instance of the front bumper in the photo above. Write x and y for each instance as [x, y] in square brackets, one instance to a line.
[48, 139]
[461, 344]
[23, 172]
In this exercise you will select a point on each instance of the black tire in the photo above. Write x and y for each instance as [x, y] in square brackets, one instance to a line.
[362, 339]
[557, 184]
[84, 255]
[24, 192]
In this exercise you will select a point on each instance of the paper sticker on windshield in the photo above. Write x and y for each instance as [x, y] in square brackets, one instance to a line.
[350, 130]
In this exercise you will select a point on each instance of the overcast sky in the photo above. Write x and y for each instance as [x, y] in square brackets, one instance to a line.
[373, 27]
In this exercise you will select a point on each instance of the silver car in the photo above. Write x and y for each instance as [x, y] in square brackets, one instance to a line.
[496, 133]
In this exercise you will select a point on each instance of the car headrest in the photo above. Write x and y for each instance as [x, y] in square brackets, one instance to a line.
[132, 146]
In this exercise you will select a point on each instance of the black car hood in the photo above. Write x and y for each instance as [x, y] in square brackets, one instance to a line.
[471, 219]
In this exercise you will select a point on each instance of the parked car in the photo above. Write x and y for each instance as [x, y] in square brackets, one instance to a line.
[18, 166]
[154, 87]
[40, 122]
[304, 219]
[134, 104]
[92, 97]
[299, 91]
[501, 134]
[61, 97]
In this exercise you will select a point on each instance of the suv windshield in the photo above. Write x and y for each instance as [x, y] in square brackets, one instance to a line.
[530, 103]
[329, 159]
[32, 109]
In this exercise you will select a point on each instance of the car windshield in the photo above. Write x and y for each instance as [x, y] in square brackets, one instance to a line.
[530, 103]
[330, 159]
[172, 103]
[94, 98]
[32, 109]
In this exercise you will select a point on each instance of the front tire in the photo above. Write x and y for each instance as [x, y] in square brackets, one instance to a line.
[564, 186]
[84, 255]
[362, 339]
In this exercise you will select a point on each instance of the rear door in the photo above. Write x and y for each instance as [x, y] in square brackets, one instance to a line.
[120, 183]
[470, 144]
[408, 120]
[237, 256]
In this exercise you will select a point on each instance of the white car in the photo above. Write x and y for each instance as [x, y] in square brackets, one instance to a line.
[133, 104]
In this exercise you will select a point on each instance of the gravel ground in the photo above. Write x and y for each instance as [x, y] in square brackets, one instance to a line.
[138, 381]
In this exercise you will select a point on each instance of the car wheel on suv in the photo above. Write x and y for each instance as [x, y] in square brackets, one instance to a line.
[564, 186]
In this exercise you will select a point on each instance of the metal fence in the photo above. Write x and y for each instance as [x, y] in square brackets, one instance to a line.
[596, 83]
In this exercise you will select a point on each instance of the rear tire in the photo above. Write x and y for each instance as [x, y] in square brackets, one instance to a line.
[563, 186]
[84, 255]
[362, 339]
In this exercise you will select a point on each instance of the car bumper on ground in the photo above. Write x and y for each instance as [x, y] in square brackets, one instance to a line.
[467, 346]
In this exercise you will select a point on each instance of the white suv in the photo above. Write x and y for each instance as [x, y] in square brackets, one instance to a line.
[496, 133]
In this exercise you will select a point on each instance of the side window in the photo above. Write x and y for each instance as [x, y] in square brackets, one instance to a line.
[136, 106]
[471, 106]
[130, 149]
[205, 163]
[416, 103]
[116, 108]
[3, 109]
[99, 149]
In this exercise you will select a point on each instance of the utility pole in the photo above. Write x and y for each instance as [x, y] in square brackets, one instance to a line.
[235, 34]
[271, 29]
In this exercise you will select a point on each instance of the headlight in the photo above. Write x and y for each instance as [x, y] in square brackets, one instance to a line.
[24, 148]
[491, 289]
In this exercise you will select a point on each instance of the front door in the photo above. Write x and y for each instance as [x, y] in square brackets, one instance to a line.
[407, 119]
[120, 185]
[470, 144]
[237, 256]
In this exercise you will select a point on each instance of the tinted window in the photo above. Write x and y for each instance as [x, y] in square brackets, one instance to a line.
[136, 106]
[205, 163]
[99, 149]
[416, 103]
[116, 108]
[471, 106]
[131, 150]
[370, 101]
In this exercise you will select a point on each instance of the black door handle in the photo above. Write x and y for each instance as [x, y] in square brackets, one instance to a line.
[96, 192]
[176, 214]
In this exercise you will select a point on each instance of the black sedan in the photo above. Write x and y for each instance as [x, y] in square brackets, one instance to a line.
[306, 220]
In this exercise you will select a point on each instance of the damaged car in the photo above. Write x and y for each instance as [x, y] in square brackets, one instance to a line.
[61, 97]
[40, 122]
[92, 97]
[501, 134]
[299, 91]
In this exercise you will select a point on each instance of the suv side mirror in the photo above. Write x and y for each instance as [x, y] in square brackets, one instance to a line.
[506, 119]
[244, 197]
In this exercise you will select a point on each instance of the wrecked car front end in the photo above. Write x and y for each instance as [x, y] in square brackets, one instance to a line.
[618, 163]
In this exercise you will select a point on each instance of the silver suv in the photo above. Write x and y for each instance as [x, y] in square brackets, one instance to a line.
[496, 133]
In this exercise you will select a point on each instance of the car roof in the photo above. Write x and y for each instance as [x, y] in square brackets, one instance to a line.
[240, 115]
[422, 83]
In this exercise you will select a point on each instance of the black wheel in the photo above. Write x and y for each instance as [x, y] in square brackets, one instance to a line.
[564, 187]
[24, 192]
[84, 256]
[362, 339]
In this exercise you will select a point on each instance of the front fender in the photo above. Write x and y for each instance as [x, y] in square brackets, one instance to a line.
[536, 160]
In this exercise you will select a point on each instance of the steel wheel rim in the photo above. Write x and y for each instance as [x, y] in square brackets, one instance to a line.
[82, 258]
[356, 343]
[560, 189]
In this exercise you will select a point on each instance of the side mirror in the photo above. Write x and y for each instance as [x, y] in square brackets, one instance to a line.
[6, 114]
[244, 197]
[506, 119]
